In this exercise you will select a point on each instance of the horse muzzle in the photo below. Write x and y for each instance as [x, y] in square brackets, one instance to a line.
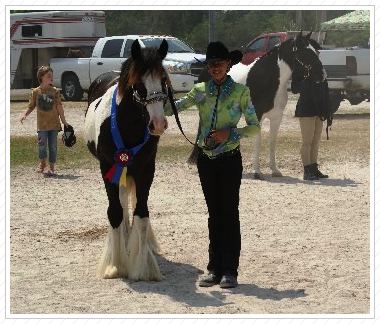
[157, 127]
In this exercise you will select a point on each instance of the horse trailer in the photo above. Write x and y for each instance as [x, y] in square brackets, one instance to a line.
[36, 37]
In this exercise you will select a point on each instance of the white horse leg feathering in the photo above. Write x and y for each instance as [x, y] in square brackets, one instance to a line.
[142, 264]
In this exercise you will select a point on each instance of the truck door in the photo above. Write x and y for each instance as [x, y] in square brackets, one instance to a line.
[110, 60]
[254, 50]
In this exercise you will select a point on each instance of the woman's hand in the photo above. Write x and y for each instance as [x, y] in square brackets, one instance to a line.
[23, 117]
[221, 136]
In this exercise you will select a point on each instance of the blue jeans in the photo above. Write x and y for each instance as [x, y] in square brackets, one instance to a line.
[47, 138]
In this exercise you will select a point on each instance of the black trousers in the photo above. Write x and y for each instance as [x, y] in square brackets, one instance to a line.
[220, 179]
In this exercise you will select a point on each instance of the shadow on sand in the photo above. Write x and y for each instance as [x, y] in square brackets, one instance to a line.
[63, 176]
[352, 116]
[346, 182]
[180, 284]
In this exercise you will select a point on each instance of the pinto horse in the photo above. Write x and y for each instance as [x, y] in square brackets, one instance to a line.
[130, 104]
[267, 79]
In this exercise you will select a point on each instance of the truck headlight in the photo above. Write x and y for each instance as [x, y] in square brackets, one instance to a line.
[179, 68]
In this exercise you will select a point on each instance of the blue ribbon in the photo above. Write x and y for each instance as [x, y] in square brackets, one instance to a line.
[127, 154]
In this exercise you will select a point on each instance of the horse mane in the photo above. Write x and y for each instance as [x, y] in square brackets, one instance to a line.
[132, 71]
[278, 47]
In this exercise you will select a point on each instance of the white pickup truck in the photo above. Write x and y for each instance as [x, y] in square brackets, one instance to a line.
[74, 75]
[348, 74]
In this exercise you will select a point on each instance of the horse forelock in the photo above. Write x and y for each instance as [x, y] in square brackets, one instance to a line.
[133, 71]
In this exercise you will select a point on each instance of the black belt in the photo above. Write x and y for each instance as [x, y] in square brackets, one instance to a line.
[224, 154]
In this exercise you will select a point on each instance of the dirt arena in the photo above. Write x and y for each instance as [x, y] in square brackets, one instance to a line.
[305, 245]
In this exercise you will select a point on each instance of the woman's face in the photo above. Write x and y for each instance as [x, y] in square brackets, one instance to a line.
[218, 70]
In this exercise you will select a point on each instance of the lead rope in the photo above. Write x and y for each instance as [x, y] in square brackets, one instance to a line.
[214, 114]
[175, 112]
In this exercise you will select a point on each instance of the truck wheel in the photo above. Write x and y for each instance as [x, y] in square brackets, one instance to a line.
[71, 89]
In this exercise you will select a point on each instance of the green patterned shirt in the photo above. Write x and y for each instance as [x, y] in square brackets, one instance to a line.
[234, 100]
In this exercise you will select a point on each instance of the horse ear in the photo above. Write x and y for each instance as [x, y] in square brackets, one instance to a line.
[299, 35]
[135, 50]
[163, 50]
[308, 35]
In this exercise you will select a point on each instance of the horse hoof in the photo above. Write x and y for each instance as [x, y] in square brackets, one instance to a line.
[277, 174]
[258, 176]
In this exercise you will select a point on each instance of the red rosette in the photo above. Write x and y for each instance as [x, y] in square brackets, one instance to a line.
[123, 157]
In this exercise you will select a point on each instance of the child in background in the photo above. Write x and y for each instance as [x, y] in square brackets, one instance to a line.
[49, 112]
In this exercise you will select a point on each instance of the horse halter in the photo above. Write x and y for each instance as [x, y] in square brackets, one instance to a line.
[151, 97]
[307, 67]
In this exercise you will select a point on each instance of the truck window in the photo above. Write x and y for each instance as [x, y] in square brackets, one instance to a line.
[127, 48]
[175, 45]
[257, 45]
[112, 48]
[273, 41]
[31, 31]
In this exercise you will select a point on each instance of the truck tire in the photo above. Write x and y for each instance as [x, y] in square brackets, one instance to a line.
[71, 89]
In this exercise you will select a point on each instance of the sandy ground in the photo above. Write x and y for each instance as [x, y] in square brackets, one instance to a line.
[305, 246]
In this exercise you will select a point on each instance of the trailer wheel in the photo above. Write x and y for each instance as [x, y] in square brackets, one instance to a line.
[71, 89]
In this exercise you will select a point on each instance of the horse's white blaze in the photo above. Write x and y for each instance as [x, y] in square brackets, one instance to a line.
[156, 109]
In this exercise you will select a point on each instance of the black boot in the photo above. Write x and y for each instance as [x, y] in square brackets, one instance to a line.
[308, 173]
[316, 172]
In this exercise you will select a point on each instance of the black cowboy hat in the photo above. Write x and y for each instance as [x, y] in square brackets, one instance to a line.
[216, 51]
[68, 137]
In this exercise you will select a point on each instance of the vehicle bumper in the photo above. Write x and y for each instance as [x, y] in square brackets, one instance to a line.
[182, 82]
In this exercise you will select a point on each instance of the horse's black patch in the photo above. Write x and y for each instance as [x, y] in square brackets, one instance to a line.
[263, 80]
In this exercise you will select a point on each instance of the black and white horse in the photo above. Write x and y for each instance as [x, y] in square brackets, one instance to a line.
[137, 97]
[267, 78]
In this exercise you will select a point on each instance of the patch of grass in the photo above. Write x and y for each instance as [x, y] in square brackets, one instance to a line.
[349, 142]
[24, 152]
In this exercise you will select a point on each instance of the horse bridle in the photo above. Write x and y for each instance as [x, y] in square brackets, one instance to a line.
[151, 97]
[307, 67]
